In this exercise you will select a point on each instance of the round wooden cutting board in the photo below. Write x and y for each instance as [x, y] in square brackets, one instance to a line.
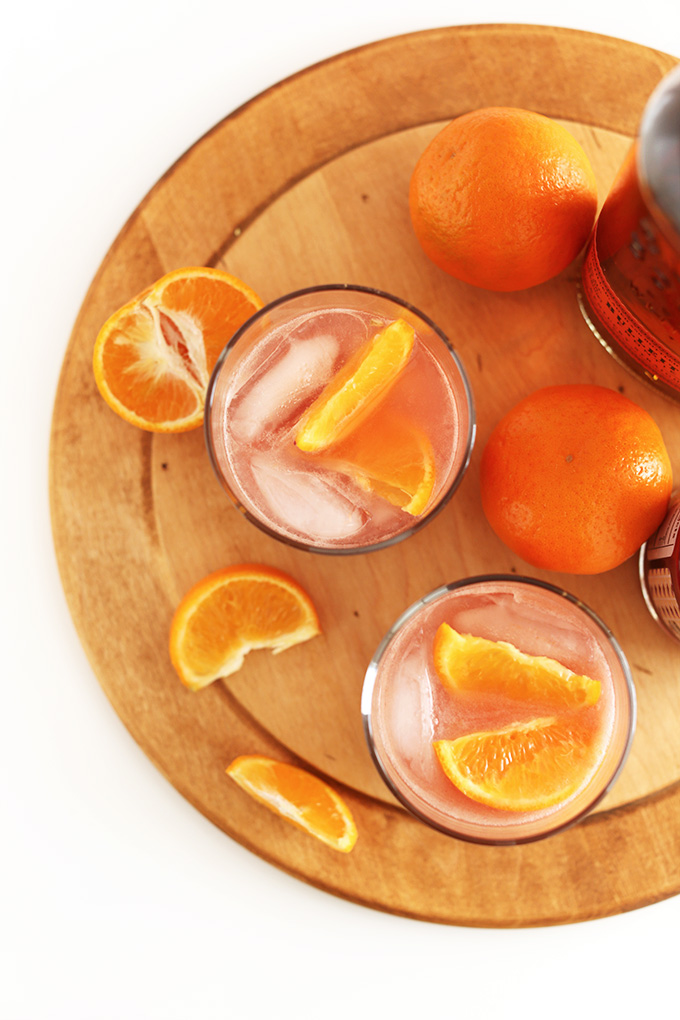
[307, 184]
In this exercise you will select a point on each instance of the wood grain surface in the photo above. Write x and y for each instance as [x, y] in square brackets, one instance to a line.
[307, 184]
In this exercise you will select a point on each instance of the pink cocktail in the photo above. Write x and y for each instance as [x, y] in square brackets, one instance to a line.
[282, 361]
[406, 708]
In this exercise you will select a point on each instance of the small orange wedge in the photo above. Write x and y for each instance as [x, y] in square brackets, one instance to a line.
[298, 796]
[468, 663]
[356, 388]
[523, 767]
[153, 357]
[230, 613]
[391, 457]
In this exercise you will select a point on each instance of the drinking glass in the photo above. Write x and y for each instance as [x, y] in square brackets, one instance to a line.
[273, 368]
[405, 706]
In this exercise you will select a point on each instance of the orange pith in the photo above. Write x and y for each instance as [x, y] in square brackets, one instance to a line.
[575, 478]
[233, 611]
[355, 390]
[391, 457]
[154, 356]
[467, 663]
[298, 796]
[503, 198]
[526, 766]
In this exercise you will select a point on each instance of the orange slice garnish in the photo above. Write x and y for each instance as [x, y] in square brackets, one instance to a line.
[153, 357]
[230, 613]
[468, 663]
[298, 796]
[391, 457]
[524, 767]
[356, 388]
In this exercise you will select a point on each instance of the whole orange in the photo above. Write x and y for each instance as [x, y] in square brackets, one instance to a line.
[575, 478]
[503, 198]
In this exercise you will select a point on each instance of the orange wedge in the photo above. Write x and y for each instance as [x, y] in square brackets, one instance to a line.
[524, 767]
[356, 388]
[299, 797]
[467, 663]
[391, 457]
[153, 357]
[230, 613]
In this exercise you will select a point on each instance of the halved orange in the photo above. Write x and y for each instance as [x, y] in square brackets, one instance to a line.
[356, 388]
[524, 767]
[153, 357]
[468, 663]
[233, 611]
[391, 457]
[298, 796]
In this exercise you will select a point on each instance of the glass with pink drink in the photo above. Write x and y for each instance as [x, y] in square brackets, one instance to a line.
[510, 746]
[339, 419]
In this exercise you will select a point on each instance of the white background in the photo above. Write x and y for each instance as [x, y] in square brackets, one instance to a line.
[119, 900]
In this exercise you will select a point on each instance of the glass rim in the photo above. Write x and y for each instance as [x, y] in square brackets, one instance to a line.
[371, 675]
[417, 524]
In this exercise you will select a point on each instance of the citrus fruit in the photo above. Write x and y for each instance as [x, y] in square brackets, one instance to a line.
[298, 796]
[468, 663]
[356, 388]
[526, 766]
[233, 611]
[575, 478]
[154, 356]
[503, 198]
[389, 456]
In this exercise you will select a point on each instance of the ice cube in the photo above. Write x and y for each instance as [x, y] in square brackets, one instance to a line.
[339, 322]
[309, 503]
[410, 715]
[557, 631]
[281, 386]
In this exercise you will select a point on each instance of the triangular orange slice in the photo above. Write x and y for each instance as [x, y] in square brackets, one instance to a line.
[468, 663]
[354, 391]
[233, 611]
[298, 796]
[527, 766]
[391, 457]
